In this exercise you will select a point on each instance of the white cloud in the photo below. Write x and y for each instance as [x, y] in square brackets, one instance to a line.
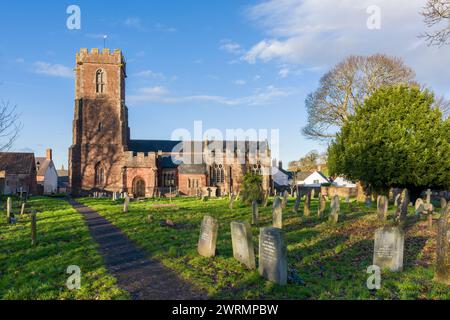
[318, 34]
[133, 22]
[54, 70]
[231, 47]
[284, 72]
[240, 82]
[163, 95]
[151, 74]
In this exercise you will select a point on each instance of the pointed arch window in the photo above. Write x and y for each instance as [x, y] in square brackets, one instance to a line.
[217, 174]
[99, 175]
[100, 81]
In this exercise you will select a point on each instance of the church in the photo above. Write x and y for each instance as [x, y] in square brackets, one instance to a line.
[104, 158]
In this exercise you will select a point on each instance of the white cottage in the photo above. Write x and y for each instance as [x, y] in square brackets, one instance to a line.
[47, 176]
[312, 180]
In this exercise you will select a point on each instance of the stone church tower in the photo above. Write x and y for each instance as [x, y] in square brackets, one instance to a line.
[104, 158]
[100, 127]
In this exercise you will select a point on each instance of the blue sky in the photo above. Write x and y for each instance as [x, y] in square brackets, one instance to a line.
[230, 64]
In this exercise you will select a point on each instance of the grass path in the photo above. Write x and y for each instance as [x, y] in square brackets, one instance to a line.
[325, 262]
[40, 272]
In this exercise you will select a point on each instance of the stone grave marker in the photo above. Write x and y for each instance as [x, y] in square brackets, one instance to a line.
[419, 206]
[232, 199]
[242, 238]
[277, 213]
[307, 206]
[255, 212]
[9, 213]
[208, 237]
[388, 249]
[126, 203]
[335, 209]
[382, 207]
[33, 228]
[428, 193]
[404, 205]
[273, 255]
[22, 209]
[443, 203]
[285, 199]
[442, 274]
[297, 204]
[322, 206]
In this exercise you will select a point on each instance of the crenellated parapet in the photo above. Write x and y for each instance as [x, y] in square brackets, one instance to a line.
[100, 56]
[139, 159]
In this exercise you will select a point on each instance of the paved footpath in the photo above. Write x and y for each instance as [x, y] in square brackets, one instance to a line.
[143, 277]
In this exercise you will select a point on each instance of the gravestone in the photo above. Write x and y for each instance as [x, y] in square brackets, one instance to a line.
[419, 206]
[22, 209]
[313, 193]
[322, 206]
[307, 206]
[126, 203]
[398, 200]
[442, 274]
[335, 209]
[388, 249]
[208, 237]
[33, 228]
[443, 203]
[428, 193]
[285, 199]
[273, 255]
[347, 199]
[404, 205]
[9, 213]
[242, 238]
[277, 213]
[382, 207]
[255, 212]
[297, 204]
[232, 199]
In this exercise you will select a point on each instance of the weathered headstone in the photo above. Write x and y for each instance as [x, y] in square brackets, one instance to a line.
[232, 199]
[307, 206]
[8, 210]
[285, 199]
[313, 193]
[398, 200]
[273, 255]
[33, 228]
[443, 203]
[22, 209]
[382, 207]
[242, 238]
[277, 214]
[404, 205]
[126, 204]
[335, 209]
[297, 204]
[443, 248]
[208, 237]
[255, 212]
[388, 249]
[322, 206]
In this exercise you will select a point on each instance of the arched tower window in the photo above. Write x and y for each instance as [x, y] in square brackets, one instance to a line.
[217, 174]
[99, 175]
[100, 81]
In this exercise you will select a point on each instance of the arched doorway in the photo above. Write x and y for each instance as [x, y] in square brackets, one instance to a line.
[139, 188]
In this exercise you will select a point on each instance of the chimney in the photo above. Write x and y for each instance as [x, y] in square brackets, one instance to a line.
[280, 165]
[49, 154]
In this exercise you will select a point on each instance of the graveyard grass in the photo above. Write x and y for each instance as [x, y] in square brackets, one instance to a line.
[324, 261]
[39, 272]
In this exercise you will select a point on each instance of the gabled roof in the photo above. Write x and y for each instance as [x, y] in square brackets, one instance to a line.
[42, 165]
[302, 176]
[17, 162]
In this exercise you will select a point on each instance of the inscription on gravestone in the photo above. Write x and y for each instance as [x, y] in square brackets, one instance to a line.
[388, 249]
[208, 237]
[273, 255]
[243, 250]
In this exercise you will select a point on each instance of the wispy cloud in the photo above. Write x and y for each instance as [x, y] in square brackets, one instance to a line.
[151, 74]
[231, 47]
[161, 94]
[240, 82]
[133, 22]
[54, 70]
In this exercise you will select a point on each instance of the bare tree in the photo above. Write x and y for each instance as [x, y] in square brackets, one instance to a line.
[9, 125]
[437, 15]
[345, 87]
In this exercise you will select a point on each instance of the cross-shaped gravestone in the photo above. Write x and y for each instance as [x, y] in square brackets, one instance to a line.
[277, 214]
[208, 237]
[242, 239]
[273, 255]
[428, 193]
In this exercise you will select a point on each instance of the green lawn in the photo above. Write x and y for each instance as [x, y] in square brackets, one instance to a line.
[40, 272]
[325, 262]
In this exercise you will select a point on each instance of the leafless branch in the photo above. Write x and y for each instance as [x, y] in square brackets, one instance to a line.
[9, 125]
